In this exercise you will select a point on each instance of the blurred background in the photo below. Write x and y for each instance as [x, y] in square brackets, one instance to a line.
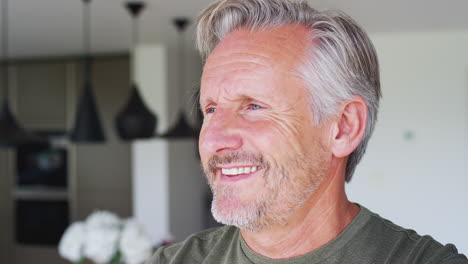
[414, 173]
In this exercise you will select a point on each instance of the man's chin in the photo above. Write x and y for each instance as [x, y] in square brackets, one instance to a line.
[232, 211]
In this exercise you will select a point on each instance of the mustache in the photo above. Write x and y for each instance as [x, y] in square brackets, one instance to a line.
[235, 157]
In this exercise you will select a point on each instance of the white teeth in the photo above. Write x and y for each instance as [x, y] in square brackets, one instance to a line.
[237, 171]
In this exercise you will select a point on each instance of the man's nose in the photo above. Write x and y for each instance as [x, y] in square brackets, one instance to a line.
[221, 134]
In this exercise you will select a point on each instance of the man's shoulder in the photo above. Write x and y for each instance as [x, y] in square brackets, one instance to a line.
[368, 239]
[399, 244]
[196, 246]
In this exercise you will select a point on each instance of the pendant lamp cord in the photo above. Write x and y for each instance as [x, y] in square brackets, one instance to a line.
[5, 60]
[87, 65]
[182, 69]
[135, 40]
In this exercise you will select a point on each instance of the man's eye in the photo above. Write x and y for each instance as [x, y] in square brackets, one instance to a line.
[210, 110]
[254, 107]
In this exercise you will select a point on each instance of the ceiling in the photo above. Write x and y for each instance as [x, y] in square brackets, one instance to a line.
[53, 27]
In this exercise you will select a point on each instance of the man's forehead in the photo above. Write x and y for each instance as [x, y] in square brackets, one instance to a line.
[283, 43]
[277, 50]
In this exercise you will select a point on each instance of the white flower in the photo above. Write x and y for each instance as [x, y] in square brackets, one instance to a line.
[100, 219]
[102, 236]
[71, 243]
[101, 244]
[135, 244]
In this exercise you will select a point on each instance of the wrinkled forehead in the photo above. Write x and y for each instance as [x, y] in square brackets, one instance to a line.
[284, 46]
[267, 57]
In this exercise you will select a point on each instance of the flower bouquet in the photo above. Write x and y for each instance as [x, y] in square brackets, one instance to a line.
[104, 238]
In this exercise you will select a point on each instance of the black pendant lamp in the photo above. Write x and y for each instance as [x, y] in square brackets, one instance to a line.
[182, 128]
[87, 127]
[135, 120]
[12, 134]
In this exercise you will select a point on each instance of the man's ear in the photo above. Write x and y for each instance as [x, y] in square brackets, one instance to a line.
[349, 127]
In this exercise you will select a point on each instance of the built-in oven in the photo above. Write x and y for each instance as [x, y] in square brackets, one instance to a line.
[41, 192]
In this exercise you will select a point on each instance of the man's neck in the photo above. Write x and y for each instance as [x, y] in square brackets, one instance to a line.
[322, 218]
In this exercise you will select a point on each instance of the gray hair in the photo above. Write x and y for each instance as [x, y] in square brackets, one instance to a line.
[340, 62]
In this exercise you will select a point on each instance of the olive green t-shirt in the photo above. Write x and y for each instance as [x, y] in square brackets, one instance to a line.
[368, 239]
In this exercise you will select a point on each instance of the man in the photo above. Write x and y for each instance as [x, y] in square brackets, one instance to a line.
[290, 98]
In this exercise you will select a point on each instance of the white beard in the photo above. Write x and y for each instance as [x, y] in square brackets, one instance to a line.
[276, 201]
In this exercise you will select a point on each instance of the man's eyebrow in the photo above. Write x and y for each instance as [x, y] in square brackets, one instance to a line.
[205, 101]
[240, 98]
[244, 98]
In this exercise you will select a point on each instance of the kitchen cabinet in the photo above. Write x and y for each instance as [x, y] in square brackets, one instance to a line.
[43, 95]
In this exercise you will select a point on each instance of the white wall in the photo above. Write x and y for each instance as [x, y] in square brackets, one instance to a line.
[150, 158]
[168, 186]
[415, 172]
[151, 187]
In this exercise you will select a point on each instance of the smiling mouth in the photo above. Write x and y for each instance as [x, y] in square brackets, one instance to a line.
[238, 173]
[239, 170]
